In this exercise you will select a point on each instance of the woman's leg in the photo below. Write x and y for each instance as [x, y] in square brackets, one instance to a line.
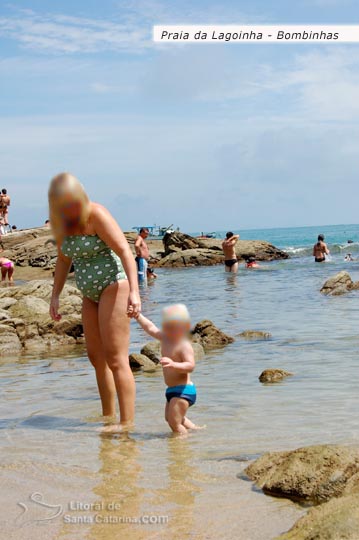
[114, 326]
[96, 354]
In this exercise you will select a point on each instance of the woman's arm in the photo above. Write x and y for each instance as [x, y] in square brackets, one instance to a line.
[149, 327]
[108, 230]
[62, 268]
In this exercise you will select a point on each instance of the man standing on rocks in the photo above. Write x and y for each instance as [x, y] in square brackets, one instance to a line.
[142, 254]
[4, 210]
[229, 250]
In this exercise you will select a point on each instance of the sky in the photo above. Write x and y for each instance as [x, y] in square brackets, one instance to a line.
[202, 136]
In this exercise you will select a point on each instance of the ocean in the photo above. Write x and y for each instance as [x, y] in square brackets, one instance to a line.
[189, 488]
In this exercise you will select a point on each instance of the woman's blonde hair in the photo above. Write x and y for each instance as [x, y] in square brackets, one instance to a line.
[61, 185]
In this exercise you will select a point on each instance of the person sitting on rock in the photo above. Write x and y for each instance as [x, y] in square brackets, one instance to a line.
[7, 269]
[177, 363]
[229, 250]
[251, 263]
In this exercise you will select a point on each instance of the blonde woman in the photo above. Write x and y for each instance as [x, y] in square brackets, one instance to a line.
[105, 270]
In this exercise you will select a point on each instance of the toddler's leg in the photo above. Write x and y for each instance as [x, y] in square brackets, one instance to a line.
[176, 412]
[3, 273]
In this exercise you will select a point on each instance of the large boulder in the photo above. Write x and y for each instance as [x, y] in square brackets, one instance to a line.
[182, 250]
[191, 257]
[339, 284]
[209, 336]
[177, 241]
[337, 519]
[314, 473]
[273, 375]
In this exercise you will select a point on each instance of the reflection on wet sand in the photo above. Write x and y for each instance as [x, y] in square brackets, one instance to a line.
[118, 494]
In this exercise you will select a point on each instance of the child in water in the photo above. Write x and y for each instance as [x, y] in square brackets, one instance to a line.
[7, 269]
[177, 363]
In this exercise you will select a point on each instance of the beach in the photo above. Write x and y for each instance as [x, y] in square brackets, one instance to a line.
[189, 488]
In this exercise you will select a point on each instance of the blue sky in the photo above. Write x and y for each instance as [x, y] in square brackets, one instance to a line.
[203, 136]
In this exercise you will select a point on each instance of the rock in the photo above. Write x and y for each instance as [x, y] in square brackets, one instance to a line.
[273, 375]
[182, 250]
[25, 318]
[209, 336]
[255, 334]
[191, 257]
[140, 361]
[339, 284]
[313, 473]
[152, 350]
[29, 307]
[10, 343]
[177, 241]
[335, 520]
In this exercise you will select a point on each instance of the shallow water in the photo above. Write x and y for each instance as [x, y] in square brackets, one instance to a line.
[188, 488]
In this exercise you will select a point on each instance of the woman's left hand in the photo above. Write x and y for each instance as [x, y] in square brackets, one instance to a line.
[134, 304]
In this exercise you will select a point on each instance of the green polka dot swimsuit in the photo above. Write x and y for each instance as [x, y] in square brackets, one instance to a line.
[96, 265]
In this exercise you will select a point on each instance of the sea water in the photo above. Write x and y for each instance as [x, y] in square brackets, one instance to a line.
[62, 478]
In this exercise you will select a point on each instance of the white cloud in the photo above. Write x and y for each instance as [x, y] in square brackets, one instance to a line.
[64, 34]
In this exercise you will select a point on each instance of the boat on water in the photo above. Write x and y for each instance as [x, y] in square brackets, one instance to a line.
[156, 231]
[207, 235]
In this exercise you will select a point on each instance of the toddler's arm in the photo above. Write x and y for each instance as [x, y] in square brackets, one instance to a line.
[150, 328]
[186, 366]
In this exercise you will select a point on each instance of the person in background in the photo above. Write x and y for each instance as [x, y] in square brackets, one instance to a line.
[4, 210]
[7, 269]
[142, 254]
[151, 273]
[252, 263]
[47, 224]
[229, 250]
[14, 228]
[349, 257]
[320, 249]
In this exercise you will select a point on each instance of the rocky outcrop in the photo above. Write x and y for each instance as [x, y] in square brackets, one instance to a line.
[25, 321]
[339, 284]
[182, 250]
[191, 257]
[337, 519]
[273, 375]
[314, 473]
[209, 336]
[255, 334]
[325, 475]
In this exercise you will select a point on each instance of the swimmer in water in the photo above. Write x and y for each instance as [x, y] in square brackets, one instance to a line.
[177, 362]
[251, 263]
[7, 269]
[229, 250]
[320, 250]
[348, 258]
